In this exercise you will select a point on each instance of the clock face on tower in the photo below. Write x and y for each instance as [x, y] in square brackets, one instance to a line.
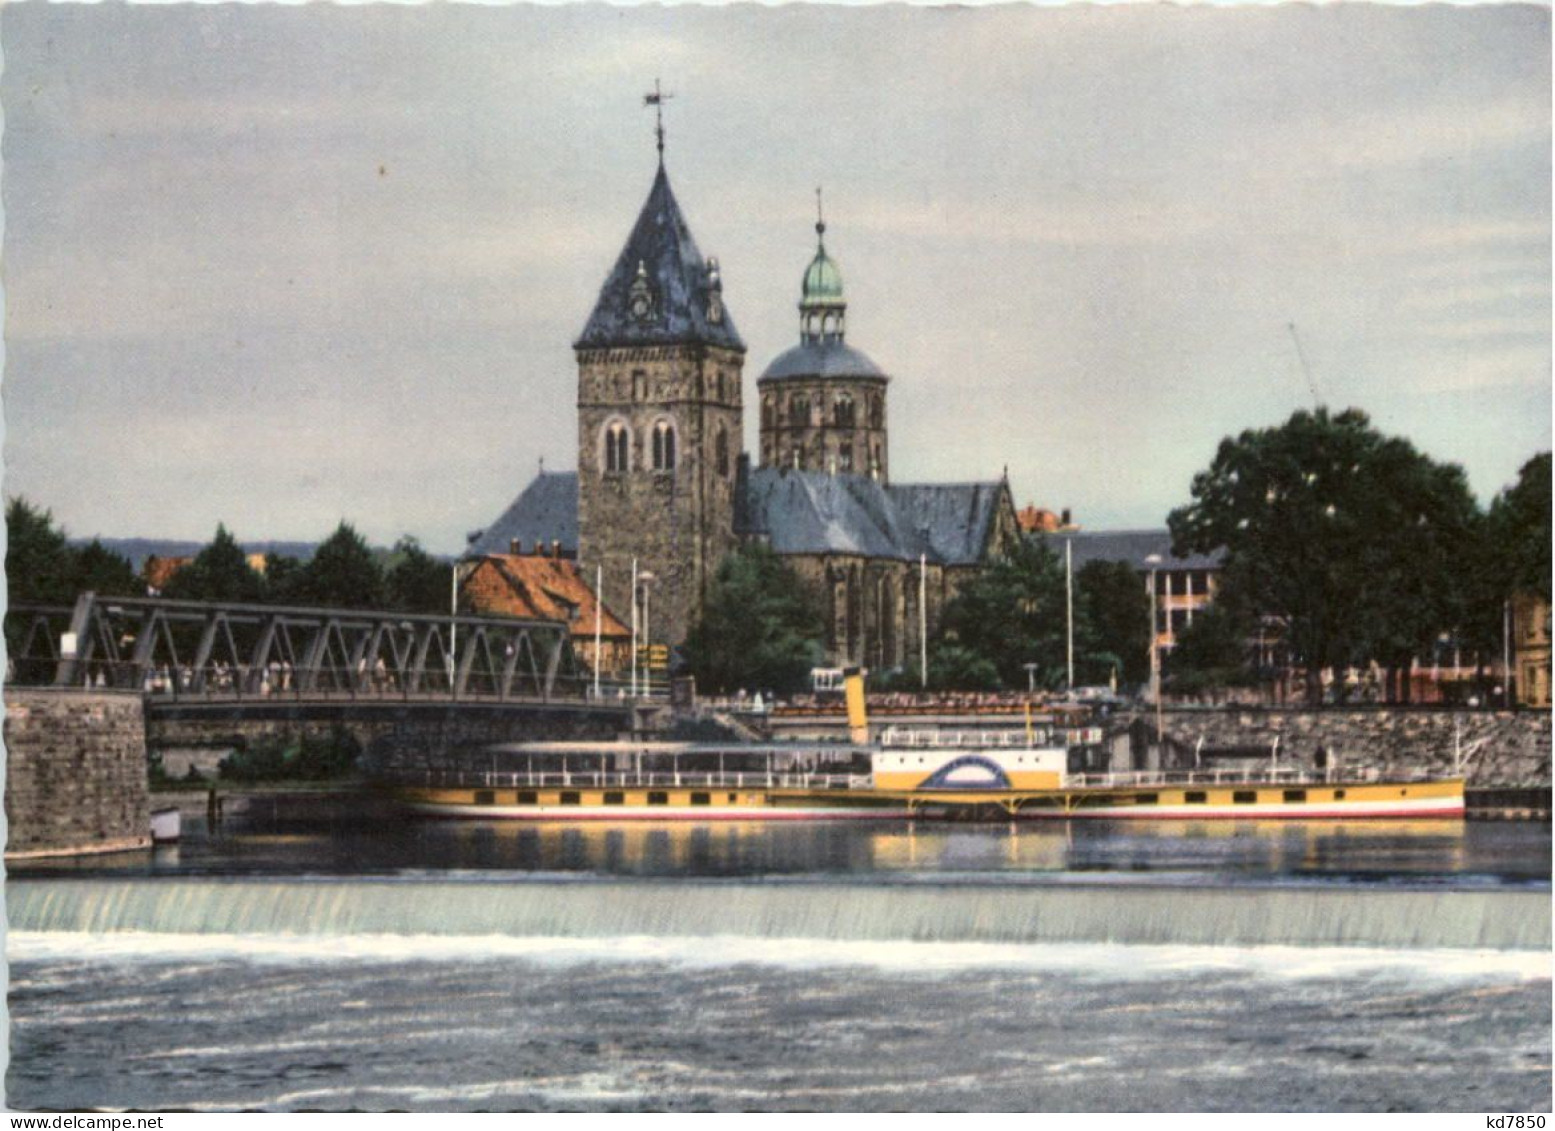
[639, 299]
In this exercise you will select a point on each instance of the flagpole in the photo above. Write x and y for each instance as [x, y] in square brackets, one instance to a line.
[634, 628]
[599, 616]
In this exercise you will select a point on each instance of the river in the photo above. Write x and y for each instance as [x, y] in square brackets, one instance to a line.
[503, 966]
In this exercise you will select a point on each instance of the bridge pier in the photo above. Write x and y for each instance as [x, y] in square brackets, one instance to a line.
[75, 772]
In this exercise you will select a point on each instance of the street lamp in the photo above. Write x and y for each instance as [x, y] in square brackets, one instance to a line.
[1031, 678]
[1154, 562]
[645, 579]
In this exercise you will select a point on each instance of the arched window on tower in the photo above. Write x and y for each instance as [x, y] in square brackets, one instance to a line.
[617, 447]
[768, 411]
[799, 412]
[663, 446]
[842, 411]
[721, 452]
[639, 384]
[876, 411]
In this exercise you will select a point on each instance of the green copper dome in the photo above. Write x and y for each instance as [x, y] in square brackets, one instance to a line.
[822, 280]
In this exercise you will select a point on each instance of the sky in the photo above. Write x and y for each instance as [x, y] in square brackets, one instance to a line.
[277, 267]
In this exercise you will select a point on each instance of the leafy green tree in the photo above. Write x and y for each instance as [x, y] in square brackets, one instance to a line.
[102, 571]
[219, 572]
[1013, 613]
[1112, 623]
[1519, 529]
[283, 577]
[1352, 538]
[416, 581]
[39, 567]
[758, 629]
[342, 572]
[1212, 652]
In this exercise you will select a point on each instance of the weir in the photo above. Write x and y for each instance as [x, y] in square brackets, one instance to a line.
[1141, 915]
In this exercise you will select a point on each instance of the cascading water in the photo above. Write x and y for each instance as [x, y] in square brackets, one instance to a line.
[1242, 916]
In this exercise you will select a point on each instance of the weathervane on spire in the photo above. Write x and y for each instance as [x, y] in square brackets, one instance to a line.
[820, 219]
[657, 100]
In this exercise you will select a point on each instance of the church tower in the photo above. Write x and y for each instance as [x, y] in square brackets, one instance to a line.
[823, 402]
[659, 421]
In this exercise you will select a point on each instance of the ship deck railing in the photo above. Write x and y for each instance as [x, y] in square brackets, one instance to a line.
[1274, 775]
[906, 737]
[632, 779]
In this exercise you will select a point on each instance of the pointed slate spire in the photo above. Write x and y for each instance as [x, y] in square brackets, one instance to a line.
[661, 291]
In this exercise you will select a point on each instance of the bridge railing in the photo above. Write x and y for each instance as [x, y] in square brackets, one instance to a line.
[628, 779]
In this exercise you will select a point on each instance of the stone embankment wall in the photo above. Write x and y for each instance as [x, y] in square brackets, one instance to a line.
[398, 738]
[1500, 748]
[75, 772]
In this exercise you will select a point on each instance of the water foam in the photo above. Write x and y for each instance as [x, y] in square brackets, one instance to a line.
[1102, 961]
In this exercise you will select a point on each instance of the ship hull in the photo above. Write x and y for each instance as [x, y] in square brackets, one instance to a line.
[1236, 801]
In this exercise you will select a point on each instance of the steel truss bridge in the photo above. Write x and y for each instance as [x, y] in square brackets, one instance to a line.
[209, 652]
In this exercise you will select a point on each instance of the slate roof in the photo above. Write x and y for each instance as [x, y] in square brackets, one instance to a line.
[956, 516]
[798, 512]
[678, 279]
[811, 512]
[1133, 547]
[818, 359]
[546, 512]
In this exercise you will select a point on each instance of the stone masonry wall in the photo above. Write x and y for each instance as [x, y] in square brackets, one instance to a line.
[1500, 748]
[75, 772]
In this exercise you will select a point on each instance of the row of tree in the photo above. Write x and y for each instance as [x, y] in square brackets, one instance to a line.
[43, 567]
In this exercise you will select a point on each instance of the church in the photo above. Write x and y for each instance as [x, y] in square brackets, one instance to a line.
[664, 491]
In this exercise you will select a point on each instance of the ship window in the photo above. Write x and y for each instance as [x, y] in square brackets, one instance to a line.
[1195, 797]
[1245, 796]
[658, 797]
[1146, 798]
[732, 797]
[570, 797]
[1338, 795]
[701, 799]
[527, 797]
[1295, 795]
[614, 797]
[485, 797]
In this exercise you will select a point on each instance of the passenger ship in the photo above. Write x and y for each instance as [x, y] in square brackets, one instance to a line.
[988, 774]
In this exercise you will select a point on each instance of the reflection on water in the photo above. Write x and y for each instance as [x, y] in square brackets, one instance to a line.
[1464, 852]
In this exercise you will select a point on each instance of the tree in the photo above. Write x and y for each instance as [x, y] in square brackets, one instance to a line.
[102, 571]
[283, 576]
[39, 567]
[1112, 623]
[342, 573]
[1212, 652]
[1519, 530]
[758, 629]
[416, 581]
[1352, 538]
[219, 572]
[1011, 614]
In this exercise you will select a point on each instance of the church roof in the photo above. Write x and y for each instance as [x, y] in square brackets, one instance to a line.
[546, 512]
[811, 512]
[822, 359]
[956, 517]
[798, 512]
[661, 260]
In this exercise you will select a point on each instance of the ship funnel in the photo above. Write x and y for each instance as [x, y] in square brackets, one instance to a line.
[858, 716]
